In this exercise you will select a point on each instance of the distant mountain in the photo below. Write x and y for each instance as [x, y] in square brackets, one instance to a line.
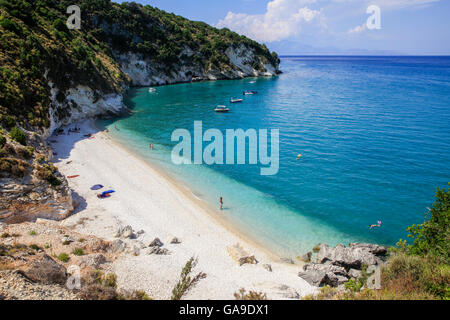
[292, 48]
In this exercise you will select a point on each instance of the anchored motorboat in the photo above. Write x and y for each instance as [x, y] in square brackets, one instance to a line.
[235, 100]
[221, 109]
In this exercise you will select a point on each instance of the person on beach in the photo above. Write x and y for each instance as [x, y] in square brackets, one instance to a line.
[221, 203]
[151, 147]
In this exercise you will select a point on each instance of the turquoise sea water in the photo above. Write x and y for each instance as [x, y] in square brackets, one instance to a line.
[374, 133]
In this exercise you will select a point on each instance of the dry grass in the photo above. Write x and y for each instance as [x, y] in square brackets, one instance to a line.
[251, 295]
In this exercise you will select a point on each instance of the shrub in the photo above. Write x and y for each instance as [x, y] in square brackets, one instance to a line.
[8, 121]
[10, 25]
[59, 25]
[412, 275]
[64, 257]
[141, 295]
[78, 252]
[18, 135]
[433, 236]
[25, 153]
[34, 247]
[13, 166]
[110, 280]
[186, 283]
[32, 233]
[316, 248]
[2, 140]
[251, 295]
[54, 181]
[98, 292]
[46, 172]
[133, 295]
[41, 158]
[9, 149]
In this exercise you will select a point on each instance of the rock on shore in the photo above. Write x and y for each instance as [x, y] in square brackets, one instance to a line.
[335, 266]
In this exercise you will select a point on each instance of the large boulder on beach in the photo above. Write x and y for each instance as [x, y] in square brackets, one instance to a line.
[92, 260]
[323, 274]
[354, 256]
[125, 232]
[158, 251]
[45, 270]
[240, 255]
[156, 243]
[117, 246]
[335, 266]
[173, 240]
[305, 257]
[268, 267]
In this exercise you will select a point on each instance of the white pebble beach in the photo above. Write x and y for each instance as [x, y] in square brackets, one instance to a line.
[146, 199]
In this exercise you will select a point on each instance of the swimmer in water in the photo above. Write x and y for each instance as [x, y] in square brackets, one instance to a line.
[375, 225]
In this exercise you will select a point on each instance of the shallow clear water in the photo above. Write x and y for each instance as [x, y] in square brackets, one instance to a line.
[374, 134]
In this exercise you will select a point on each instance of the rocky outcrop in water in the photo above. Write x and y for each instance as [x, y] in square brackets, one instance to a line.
[335, 266]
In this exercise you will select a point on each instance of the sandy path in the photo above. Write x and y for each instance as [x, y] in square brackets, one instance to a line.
[146, 200]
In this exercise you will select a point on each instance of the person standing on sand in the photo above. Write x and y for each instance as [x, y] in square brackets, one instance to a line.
[221, 203]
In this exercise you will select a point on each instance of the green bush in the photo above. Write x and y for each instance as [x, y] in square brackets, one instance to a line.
[59, 25]
[26, 153]
[78, 252]
[433, 236]
[10, 25]
[18, 135]
[8, 121]
[2, 140]
[15, 167]
[64, 257]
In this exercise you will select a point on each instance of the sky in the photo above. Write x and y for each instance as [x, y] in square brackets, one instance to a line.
[409, 27]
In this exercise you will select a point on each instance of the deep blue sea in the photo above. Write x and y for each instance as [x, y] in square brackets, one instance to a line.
[374, 133]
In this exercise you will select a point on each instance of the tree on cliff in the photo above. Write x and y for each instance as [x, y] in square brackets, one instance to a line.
[433, 235]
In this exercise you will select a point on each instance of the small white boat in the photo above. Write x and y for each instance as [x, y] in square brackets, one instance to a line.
[221, 109]
[249, 92]
[235, 100]
[252, 81]
[152, 90]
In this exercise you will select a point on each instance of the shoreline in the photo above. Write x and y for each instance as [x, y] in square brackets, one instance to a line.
[183, 189]
[148, 200]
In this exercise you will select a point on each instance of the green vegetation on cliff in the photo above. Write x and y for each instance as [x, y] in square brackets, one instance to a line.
[37, 47]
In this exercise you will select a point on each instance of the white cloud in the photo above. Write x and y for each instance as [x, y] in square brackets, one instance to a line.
[389, 4]
[397, 4]
[358, 29]
[283, 19]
